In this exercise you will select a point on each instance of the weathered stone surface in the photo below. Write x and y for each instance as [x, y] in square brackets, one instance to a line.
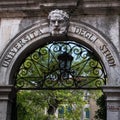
[8, 29]
[94, 23]
[80, 31]
[107, 25]
[113, 102]
[22, 8]
[5, 102]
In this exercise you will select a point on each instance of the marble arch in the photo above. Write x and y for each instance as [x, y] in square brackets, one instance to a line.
[37, 34]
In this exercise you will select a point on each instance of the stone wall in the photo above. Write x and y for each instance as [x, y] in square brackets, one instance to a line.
[107, 25]
[99, 16]
[16, 15]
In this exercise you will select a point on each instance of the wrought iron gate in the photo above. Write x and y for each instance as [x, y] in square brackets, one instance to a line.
[61, 65]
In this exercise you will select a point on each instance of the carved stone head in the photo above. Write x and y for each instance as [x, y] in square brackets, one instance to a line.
[58, 22]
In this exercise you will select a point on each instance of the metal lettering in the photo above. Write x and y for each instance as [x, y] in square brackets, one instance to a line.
[108, 55]
[77, 30]
[82, 32]
[93, 38]
[19, 45]
[8, 59]
[86, 34]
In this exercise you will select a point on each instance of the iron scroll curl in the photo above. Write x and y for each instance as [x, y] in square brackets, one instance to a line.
[41, 69]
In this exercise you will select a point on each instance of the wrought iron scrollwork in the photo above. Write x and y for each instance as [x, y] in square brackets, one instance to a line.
[41, 69]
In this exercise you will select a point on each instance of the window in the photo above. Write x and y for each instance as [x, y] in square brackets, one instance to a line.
[87, 113]
[61, 112]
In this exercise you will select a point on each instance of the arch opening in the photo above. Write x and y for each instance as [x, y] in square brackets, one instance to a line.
[41, 71]
[23, 44]
[91, 40]
[86, 70]
[61, 65]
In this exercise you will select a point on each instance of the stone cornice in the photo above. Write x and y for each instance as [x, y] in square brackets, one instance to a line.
[99, 7]
[112, 93]
[111, 89]
[6, 92]
[22, 8]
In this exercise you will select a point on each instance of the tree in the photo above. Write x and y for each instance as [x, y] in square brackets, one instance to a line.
[101, 112]
[41, 70]
[31, 104]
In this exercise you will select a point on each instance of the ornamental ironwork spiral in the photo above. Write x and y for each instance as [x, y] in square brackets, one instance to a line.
[41, 69]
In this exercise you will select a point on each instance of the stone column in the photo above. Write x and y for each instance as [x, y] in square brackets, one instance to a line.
[113, 102]
[5, 102]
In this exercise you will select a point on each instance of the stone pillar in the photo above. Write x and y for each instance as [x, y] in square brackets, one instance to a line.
[5, 102]
[113, 102]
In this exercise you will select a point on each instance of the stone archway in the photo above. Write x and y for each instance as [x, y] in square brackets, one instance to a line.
[38, 34]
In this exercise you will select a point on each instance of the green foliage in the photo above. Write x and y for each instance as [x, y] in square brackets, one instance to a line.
[101, 112]
[32, 104]
[29, 106]
[40, 70]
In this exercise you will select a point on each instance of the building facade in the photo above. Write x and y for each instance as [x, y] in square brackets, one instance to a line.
[24, 24]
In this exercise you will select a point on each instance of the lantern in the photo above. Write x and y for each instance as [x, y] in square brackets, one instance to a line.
[65, 61]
